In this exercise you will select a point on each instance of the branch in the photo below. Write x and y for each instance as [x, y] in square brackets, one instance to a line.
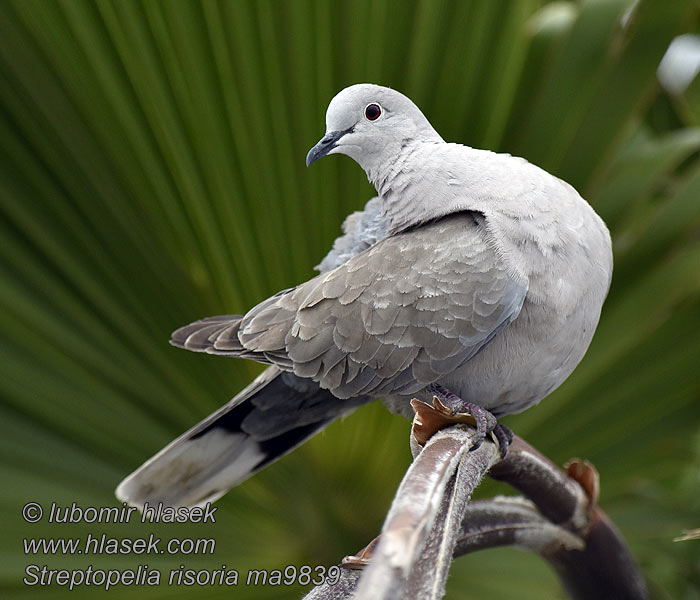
[344, 589]
[604, 568]
[512, 521]
[557, 496]
[417, 540]
[430, 522]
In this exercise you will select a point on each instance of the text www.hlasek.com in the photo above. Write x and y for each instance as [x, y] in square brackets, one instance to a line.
[103, 544]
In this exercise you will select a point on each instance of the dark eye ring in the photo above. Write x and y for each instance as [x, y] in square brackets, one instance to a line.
[372, 111]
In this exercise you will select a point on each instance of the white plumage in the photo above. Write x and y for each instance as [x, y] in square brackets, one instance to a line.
[476, 271]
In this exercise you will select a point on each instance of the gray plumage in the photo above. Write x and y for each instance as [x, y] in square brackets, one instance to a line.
[361, 229]
[474, 270]
[408, 311]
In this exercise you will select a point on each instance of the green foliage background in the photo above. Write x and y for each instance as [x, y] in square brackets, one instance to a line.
[152, 172]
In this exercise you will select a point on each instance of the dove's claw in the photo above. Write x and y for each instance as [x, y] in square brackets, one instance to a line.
[485, 422]
[504, 437]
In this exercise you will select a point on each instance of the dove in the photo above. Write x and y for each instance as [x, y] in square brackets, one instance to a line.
[473, 276]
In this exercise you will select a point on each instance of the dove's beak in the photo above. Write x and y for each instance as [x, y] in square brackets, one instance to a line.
[325, 145]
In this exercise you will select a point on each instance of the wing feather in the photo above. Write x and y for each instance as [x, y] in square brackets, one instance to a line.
[404, 313]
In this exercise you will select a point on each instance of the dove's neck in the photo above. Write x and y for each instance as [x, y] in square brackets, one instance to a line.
[415, 186]
[430, 179]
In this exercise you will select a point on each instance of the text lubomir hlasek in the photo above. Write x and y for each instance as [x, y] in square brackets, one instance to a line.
[157, 513]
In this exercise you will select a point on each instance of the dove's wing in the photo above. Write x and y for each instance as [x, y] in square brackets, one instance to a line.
[404, 313]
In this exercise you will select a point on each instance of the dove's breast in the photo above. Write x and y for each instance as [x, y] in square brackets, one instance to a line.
[555, 242]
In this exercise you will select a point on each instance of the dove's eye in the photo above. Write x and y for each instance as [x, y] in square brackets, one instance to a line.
[372, 112]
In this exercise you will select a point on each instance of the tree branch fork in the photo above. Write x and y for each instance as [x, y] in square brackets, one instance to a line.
[432, 521]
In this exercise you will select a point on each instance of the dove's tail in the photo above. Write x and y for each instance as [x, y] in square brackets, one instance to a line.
[273, 415]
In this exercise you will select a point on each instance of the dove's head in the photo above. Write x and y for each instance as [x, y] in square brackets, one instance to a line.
[371, 124]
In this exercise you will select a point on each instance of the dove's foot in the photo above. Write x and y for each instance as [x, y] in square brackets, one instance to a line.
[504, 437]
[484, 421]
